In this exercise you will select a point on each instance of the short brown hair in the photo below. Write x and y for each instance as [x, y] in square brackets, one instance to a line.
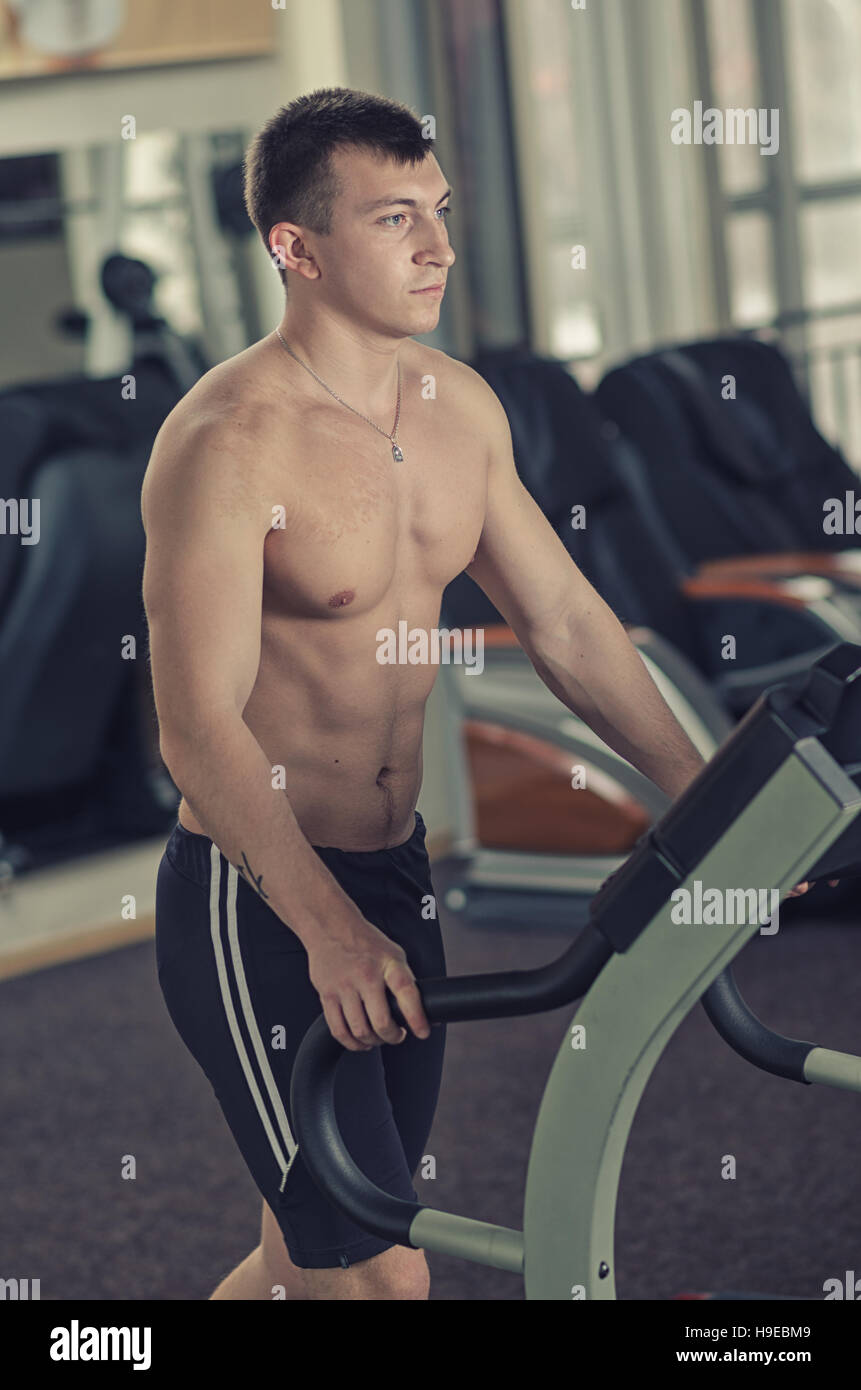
[288, 169]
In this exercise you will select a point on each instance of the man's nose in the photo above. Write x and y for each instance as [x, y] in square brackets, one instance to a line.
[439, 249]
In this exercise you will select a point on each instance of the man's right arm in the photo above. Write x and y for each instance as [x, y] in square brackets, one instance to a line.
[206, 516]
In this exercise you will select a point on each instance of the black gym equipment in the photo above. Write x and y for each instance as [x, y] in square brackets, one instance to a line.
[567, 454]
[77, 772]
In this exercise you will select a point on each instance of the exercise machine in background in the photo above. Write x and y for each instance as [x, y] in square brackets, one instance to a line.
[79, 764]
[525, 841]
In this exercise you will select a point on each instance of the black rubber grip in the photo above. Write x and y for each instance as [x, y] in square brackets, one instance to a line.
[312, 1100]
[749, 1036]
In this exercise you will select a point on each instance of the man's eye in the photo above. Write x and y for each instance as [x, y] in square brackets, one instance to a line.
[390, 218]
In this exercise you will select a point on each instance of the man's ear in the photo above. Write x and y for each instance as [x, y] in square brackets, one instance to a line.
[289, 251]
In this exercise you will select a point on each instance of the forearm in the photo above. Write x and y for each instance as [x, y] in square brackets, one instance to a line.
[598, 673]
[226, 778]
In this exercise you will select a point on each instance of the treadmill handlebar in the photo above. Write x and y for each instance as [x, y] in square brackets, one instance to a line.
[624, 905]
[819, 704]
[506, 994]
[747, 1035]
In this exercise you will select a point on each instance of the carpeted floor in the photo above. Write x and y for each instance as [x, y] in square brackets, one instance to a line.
[94, 1073]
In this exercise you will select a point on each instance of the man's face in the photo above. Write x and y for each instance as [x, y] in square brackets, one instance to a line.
[388, 243]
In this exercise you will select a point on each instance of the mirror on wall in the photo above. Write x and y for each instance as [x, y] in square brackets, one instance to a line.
[173, 202]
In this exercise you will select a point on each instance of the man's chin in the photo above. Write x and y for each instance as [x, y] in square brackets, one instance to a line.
[424, 318]
[427, 311]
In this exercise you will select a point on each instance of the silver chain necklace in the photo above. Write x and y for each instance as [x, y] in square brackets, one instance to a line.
[397, 453]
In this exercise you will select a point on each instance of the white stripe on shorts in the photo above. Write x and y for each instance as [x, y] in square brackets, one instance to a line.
[248, 1014]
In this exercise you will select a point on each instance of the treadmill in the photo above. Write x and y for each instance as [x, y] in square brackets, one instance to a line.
[778, 803]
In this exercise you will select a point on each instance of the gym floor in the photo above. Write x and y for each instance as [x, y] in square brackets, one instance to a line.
[100, 1074]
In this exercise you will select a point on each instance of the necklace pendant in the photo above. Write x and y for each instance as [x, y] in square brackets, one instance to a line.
[397, 455]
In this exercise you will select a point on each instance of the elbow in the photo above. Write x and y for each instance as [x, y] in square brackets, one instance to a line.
[549, 668]
[550, 646]
[172, 757]
[186, 746]
[178, 747]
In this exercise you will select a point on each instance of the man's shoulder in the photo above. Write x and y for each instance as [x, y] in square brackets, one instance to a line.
[232, 393]
[462, 384]
[216, 436]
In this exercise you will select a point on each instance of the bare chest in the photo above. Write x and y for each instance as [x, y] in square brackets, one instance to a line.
[355, 526]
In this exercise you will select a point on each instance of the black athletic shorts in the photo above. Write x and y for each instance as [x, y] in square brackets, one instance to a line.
[236, 984]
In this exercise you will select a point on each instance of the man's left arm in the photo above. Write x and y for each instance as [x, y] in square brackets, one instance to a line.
[572, 637]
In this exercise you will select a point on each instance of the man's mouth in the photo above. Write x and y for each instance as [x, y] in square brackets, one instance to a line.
[430, 289]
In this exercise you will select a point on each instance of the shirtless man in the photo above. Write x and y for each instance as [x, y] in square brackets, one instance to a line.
[285, 528]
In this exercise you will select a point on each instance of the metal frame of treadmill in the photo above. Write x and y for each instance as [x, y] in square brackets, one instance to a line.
[629, 1014]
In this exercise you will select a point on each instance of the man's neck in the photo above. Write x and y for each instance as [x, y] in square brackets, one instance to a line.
[358, 364]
